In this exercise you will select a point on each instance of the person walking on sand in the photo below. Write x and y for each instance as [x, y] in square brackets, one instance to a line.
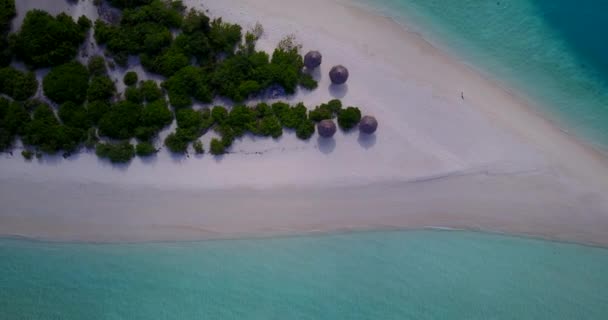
[462, 95]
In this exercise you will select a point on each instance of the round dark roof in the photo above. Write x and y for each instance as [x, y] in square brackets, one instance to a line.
[338, 74]
[368, 125]
[327, 128]
[313, 59]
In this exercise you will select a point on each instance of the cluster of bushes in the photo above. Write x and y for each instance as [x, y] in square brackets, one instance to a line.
[40, 128]
[85, 96]
[191, 124]
[45, 41]
[347, 118]
[167, 41]
[144, 30]
[7, 13]
[121, 152]
[67, 82]
[13, 118]
[127, 119]
[261, 120]
[16, 84]
[225, 64]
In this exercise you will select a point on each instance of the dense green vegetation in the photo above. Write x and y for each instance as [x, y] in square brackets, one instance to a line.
[47, 134]
[7, 13]
[226, 65]
[67, 82]
[45, 40]
[16, 84]
[13, 119]
[349, 118]
[97, 66]
[121, 152]
[201, 59]
[198, 147]
[101, 88]
[326, 111]
[260, 120]
[145, 149]
[130, 78]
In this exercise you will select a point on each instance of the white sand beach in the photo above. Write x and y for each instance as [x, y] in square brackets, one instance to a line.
[485, 162]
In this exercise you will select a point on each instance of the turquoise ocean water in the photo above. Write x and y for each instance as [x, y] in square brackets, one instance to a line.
[552, 51]
[375, 275]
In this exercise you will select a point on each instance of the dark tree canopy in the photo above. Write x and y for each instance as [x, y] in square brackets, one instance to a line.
[144, 30]
[7, 13]
[13, 119]
[46, 133]
[121, 152]
[349, 118]
[145, 149]
[45, 40]
[74, 115]
[189, 82]
[96, 110]
[201, 59]
[67, 82]
[217, 147]
[97, 66]
[121, 120]
[130, 78]
[16, 84]
[101, 88]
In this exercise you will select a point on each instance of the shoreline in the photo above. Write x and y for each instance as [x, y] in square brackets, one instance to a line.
[431, 229]
[436, 160]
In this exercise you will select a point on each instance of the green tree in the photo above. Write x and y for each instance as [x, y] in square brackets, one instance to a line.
[133, 94]
[150, 91]
[46, 133]
[177, 142]
[121, 121]
[198, 147]
[186, 83]
[270, 126]
[45, 40]
[27, 154]
[349, 118]
[96, 110]
[74, 115]
[145, 149]
[13, 119]
[217, 147]
[101, 88]
[97, 66]
[305, 130]
[130, 78]
[16, 84]
[121, 152]
[67, 82]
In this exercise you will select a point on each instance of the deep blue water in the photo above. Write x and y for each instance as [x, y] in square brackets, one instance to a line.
[376, 275]
[552, 51]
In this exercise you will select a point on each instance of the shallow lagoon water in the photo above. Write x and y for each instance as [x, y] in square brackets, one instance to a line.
[373, 275]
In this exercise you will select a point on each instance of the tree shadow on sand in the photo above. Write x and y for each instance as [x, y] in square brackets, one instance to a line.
[326, 145]
[367, 141]
[338, 91]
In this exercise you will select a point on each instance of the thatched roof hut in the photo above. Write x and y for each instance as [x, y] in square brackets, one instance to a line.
[327, 128]
[338, 74]
[368, 125]
[312, 59]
